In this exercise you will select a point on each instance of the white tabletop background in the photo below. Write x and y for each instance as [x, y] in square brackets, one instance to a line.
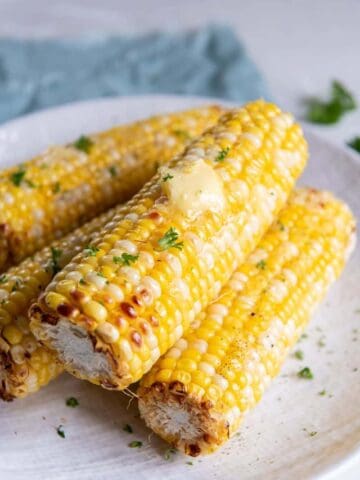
[300, 46]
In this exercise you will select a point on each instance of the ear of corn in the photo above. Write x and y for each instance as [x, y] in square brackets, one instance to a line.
[54, 193]
[25, 365]
[147, 276]
[197, 394]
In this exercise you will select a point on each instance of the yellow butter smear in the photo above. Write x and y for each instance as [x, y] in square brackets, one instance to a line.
[194, 188]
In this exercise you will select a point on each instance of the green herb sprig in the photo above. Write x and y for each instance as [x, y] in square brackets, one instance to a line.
[83, 144]
[135, 444]
[222, 154]
[170, 240]
[331, 111]
[355, 144]
[91, 251]
[60, 431]
[125, 259]
[72, 402]
[18, 176]
[54, 262]
[306, 373]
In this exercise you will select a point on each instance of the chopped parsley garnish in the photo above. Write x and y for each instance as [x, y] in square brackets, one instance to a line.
[30, 184]
[84, 144]
[125, 259]
[135, 444]
[355, 144]
[128, 428]
[322, 393]
[82, 281]
[72, 402]
[55, 257]
[321, 342]
[91, 251]
[261, 265]
[16, 285]
[167, 177]
[60, 431]
[169, 240]
[189, 463]
[341, 101]
[18, 177]
[299, 354]
[56, 187]
[312, 434]
[3, 278]
[113, 171]
[169, 452]
[183, 134]
[306, 373]
[222, 154]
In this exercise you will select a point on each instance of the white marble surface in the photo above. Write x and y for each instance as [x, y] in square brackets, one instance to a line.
[299, 45]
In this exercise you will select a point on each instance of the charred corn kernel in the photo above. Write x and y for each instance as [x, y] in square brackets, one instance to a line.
[226, 229]
[312, 239]
[55, 192]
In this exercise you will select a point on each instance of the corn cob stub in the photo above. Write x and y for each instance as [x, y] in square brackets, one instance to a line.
[54, 193]
[149, 276]
[196, 395]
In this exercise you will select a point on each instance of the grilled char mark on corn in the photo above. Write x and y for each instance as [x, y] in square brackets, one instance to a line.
[196, 395]
[146, 279]
[43, 199]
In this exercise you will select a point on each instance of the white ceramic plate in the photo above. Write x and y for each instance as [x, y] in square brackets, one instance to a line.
[275, 441]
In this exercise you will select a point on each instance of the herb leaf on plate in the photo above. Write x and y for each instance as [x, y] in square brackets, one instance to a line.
[330, 112]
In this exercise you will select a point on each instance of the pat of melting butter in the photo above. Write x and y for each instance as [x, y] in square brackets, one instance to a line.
[193, 188]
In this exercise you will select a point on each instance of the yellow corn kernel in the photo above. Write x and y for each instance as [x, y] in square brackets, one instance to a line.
[12, 334]
[95, 310]
[53, 300]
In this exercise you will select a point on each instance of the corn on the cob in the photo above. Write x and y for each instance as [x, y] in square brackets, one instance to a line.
[196, 395]
[147, 277]
[25, 365]
[59, 190]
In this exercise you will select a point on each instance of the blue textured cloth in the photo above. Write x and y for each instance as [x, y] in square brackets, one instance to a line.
[36, 74]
